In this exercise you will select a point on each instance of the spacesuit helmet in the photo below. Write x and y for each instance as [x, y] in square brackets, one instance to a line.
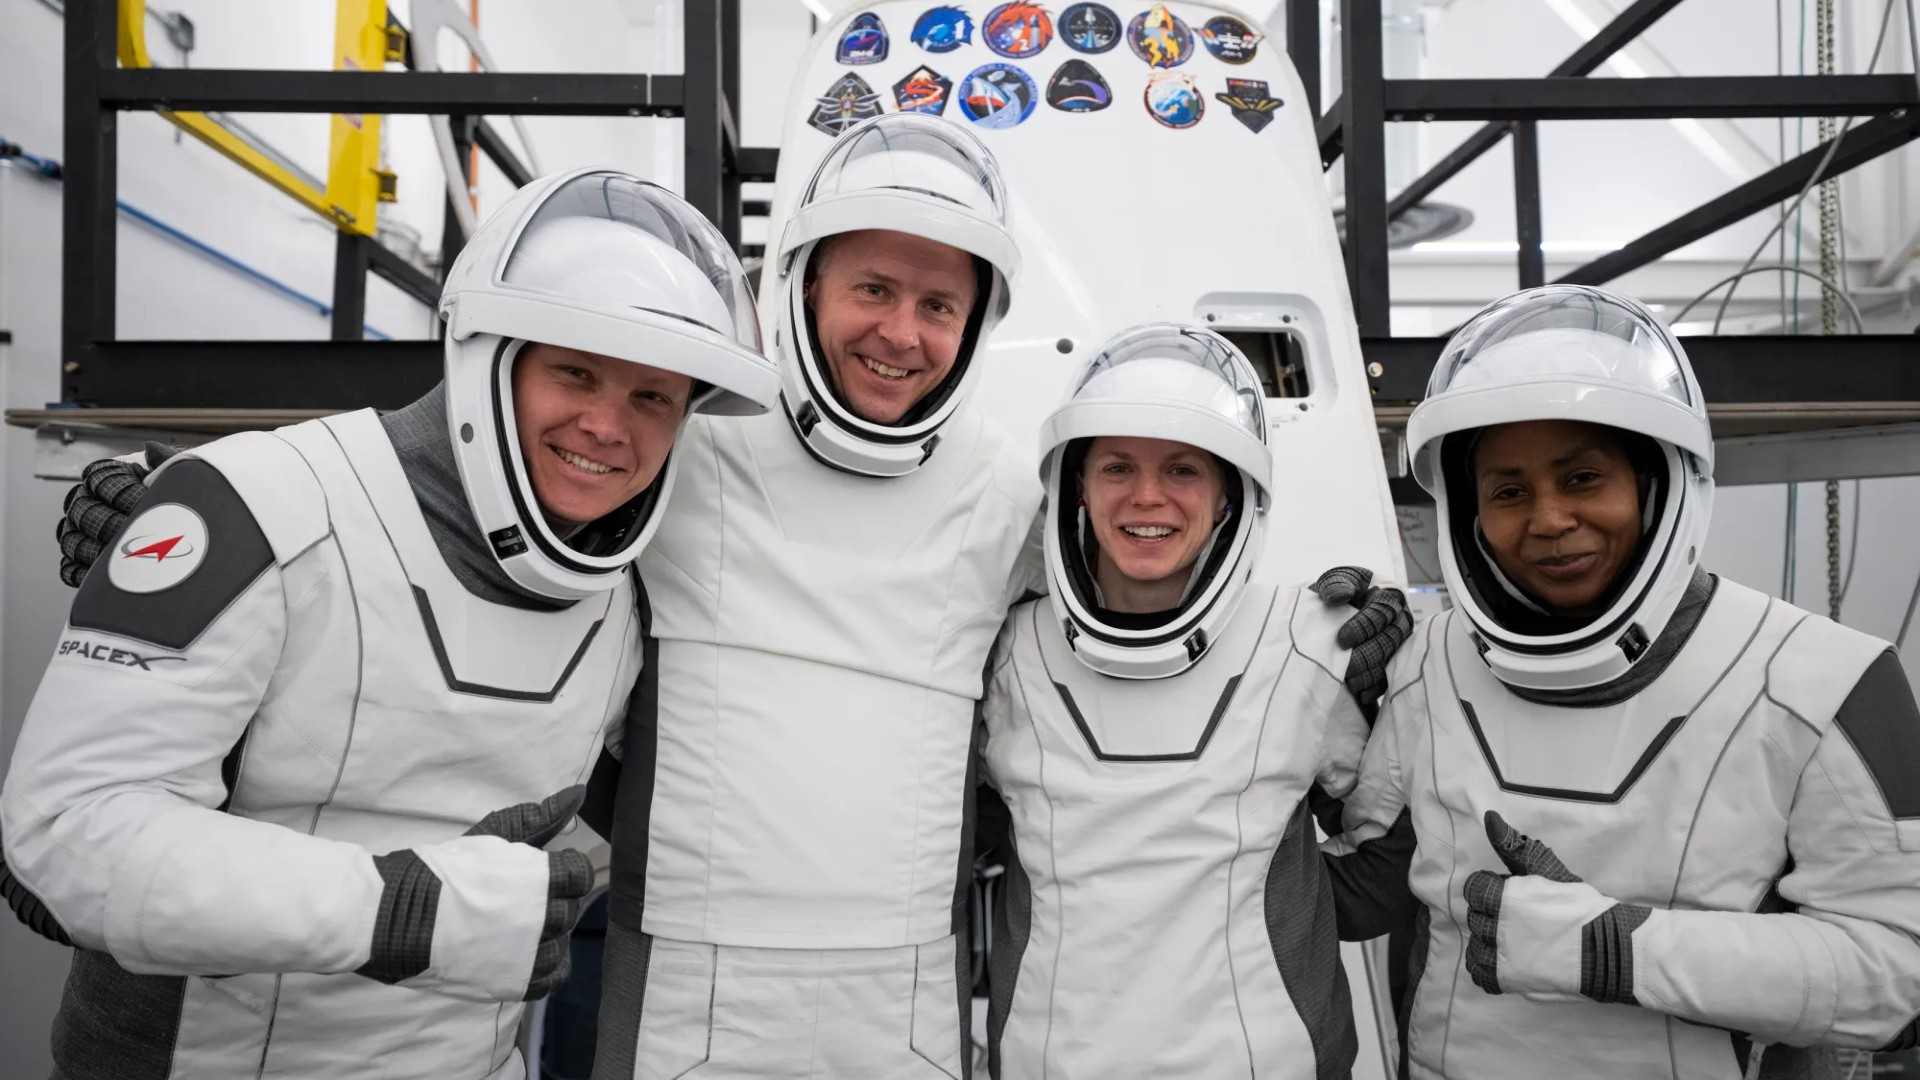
[1570, 353]
[606, 263]
[904, 173]
[1181, 384]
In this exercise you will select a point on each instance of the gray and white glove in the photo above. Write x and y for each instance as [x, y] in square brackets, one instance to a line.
[1383, 625]
[486, 916]
[98, 507]
[1540, 931]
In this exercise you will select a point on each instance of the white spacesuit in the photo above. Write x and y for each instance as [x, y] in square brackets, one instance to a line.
[788, 867]
[1729, 783]
[1167, 913]
[249, 783]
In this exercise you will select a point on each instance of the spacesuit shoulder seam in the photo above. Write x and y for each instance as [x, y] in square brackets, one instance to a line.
[1845, 656]
[279, 486]
[1294, 598]
[1412, 656]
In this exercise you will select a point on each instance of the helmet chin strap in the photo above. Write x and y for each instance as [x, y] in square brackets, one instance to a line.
[1206, 552]
[1088, 546]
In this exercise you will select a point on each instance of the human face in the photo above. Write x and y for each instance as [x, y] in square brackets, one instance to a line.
[1152, 504]
[1559, 507]
[593, 430]
[889, 310]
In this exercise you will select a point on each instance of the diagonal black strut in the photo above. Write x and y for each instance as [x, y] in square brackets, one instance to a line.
[1858, 145]
[1626, 26]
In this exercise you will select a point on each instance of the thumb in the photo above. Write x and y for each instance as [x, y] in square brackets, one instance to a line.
[159, 452]
[1524, 855]
[1342, 584]
[533, 823]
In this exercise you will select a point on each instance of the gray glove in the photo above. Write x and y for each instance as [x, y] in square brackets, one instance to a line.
[403, 931]
[1541, 931]
[98, 507]
[1383, 624]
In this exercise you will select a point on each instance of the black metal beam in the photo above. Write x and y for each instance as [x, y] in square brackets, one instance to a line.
[1330, 130]
[756, 164]
[705, 126]
[1613, 37]
[452, 238]
[1303, 45]
[350, 264]
[254, 374]
[730, 120]
[1366, 154]
[1860, 144]
[1526, 203]
[488, 139]
[1745, 370]
[1588, 57]
[89, 220]
[498, 92]
[1647, 99]
[402, 274]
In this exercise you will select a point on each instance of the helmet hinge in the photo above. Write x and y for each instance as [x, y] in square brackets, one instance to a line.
[1634, 643]
[926, 451]
[1196, 645]
[507, 542]
[807, 418]
[1071, 631]
[1479, 643]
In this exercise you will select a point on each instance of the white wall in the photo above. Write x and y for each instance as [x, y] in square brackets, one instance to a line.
[33, 602]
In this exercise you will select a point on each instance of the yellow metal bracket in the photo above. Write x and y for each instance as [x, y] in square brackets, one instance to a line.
[356, 184]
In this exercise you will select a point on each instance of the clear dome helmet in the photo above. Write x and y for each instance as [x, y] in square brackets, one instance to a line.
[1570, 353]
[1181, 384]
[606, 263]
[905, 173]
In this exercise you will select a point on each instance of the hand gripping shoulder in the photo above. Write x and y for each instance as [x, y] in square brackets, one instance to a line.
[211, 523]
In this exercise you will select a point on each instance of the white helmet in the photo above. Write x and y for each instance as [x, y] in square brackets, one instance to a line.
[606, 263]
[908, 173]
[1567, 352]
[1182, 384]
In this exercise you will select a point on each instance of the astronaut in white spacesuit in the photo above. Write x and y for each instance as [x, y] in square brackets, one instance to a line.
[315, 658]
[1659, 824]
[789, 844]
[1154, 726]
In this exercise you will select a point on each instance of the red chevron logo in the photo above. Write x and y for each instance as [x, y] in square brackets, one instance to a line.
[158, 550]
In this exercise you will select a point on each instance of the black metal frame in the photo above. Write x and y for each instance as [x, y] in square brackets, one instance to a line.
[1732, 370]
[345, 372]
[97, 369]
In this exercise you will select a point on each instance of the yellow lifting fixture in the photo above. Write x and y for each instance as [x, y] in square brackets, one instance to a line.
[363, 40]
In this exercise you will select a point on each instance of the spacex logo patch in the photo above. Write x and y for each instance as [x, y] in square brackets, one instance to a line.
[160, 548]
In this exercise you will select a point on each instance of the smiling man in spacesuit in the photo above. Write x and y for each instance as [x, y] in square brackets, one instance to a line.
[315, 658]
[1659, 824]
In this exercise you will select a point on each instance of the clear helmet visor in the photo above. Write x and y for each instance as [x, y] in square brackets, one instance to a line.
[1565, 332]
[663, 258]
[1166, 362]
[913, 174]
[913, 155]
